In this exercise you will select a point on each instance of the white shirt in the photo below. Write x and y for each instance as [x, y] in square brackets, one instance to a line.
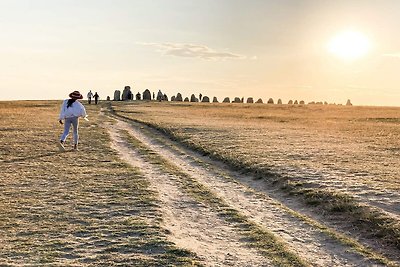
[75, 110]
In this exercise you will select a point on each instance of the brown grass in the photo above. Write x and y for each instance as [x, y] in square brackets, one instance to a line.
[263, 240]
[358, 143]
[343, 160]
[74, 208]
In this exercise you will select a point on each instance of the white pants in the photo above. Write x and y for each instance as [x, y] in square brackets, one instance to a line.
[67, 125]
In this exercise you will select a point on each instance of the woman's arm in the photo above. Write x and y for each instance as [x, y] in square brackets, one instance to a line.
[62, 111]
[83, 110]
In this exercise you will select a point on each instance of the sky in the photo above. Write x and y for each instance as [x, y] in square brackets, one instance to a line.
[246, 48]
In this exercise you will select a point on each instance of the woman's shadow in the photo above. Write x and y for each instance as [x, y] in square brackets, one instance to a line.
[33, 157]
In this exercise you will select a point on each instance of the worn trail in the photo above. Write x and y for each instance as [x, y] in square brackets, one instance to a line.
[198, 228]
[192, 225]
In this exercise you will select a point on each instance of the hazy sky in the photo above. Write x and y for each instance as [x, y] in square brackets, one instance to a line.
[220, 48]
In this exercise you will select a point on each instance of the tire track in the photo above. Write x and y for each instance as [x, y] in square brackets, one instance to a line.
[192, 225]
[307, 241]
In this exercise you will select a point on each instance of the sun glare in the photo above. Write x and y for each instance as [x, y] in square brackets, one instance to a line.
[349, 45]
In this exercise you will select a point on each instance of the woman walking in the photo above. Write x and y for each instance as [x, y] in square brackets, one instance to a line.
[71, 110]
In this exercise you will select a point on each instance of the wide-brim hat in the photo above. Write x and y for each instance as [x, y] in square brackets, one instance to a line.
[76, 95]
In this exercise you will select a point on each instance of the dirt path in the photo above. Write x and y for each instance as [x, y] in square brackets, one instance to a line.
[207, 235]
[193, 226]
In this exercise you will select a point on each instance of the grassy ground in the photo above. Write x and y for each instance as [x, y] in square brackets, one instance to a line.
[74, 208]
[266, 242]
[89, 208]
[342, 160]
[262, 238]
[357, 143]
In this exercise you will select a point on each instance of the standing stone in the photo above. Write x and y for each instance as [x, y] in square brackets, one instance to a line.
[193, 98]
[138, 96]
[205, 99]
[302, 102]
[295, 102]
[259, 101]
[173, 98]
[348, 103]
[250, 100]
[127, 94]
[160, 96]
[146, 95]
[279, 101]
[186, 99]
[117, 95]
[215, 100]
[290, 102]
[165, 97]
[108, 98]
[237, 100]
[178, 97]
[226, 100]
[270, 101]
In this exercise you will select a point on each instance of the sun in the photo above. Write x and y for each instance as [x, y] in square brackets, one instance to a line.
[349, 45]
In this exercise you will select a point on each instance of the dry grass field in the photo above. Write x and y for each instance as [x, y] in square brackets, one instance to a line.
[356, 146]
[271, 186]
[344, 161]
[84, 208]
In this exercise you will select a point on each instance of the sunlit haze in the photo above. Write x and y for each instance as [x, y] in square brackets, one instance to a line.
[349, 45]
[305, 50]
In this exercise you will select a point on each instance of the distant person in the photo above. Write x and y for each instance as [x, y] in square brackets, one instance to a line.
[96, 98]
[154, 96]
[89, 96]
[200, 96]
[71, 110]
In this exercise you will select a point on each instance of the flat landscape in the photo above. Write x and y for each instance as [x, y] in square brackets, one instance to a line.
[199, 184]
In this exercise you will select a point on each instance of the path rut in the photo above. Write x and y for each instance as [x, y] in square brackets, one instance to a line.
[196, 227]
[192, 225]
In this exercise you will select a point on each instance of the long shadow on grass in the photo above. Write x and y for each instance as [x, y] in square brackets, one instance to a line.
[34, 157]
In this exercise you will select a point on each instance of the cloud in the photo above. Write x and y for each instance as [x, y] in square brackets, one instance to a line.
[193, 51]
[228, 83]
